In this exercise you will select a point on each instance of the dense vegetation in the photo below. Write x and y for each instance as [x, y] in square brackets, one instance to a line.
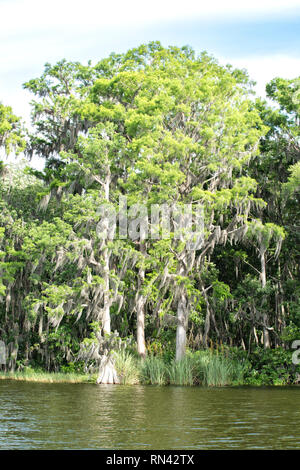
[159, 126]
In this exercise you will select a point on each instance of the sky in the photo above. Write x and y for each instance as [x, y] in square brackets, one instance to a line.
[262, 36]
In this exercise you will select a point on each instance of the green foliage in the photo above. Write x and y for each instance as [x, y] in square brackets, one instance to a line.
[11, 132]
[183, 372]
[200, 368]
[159, 125]
[292, 186]
[127, 367]
[268, 367]
[154, 371]
[35, 375]
[219, 371]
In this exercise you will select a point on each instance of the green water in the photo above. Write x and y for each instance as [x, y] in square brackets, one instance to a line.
[83, 416]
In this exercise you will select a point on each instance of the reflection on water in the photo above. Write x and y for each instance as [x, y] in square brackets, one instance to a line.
[82, 416]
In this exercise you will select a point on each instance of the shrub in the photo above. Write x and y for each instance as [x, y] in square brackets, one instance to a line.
[154, 371]
[214, 369]
[183, 372]
[271, 367]
[126, 367]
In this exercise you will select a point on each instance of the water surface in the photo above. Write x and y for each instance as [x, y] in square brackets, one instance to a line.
[86, 416]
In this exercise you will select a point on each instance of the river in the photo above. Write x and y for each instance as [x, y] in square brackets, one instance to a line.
[86, 416]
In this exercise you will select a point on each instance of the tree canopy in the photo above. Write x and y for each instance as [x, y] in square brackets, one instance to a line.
[154, 129]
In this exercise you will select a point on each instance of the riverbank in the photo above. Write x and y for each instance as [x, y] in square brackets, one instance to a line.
[47, 377]
[212, 368]
[205, 368]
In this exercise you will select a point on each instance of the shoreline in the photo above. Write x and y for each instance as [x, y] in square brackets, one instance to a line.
[73, 378]
[47, 377]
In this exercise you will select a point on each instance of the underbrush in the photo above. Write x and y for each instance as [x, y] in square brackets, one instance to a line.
[35, 375]
[200, 368]
[210, 368]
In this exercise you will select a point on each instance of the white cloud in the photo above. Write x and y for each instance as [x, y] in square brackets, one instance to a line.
[19, 16]
[33, 32]
[19, 100]
[262, 69]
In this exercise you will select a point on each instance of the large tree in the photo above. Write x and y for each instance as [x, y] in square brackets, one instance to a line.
[165, 131]
[190, 128]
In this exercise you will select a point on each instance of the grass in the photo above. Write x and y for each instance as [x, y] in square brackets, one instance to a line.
[31, 375]
[127, 368]
[201, 368]
[216, 370]
[154, 371]
[183, 372]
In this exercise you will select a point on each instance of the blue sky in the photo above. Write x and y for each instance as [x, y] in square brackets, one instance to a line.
[262, 36]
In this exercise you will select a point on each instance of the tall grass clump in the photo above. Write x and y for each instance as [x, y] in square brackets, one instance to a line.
[183, 372]
[154, 371]
[216, 370]
[127, 368]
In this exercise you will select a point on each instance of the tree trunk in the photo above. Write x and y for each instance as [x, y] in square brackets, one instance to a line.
[140, 310]
[107, 371]
[207, 319]
[182, 322]
[106, 298]
[140, 334]
[106, 256]
[183, 310]
[266, 336]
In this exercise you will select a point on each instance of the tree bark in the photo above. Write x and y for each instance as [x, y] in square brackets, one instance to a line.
[140, 334]
[107, 371]
[182, 322]
[106, 257]
[106, 299]
[266, 336]
[140, 310]
[183, 309]
[207, 319]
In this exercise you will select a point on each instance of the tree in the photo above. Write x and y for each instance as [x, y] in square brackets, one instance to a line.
[190, 126]
[262, 236]
[56, 110]
[207, 177]
[11, 131]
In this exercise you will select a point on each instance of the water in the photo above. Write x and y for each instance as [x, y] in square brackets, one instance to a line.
[86, 416]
